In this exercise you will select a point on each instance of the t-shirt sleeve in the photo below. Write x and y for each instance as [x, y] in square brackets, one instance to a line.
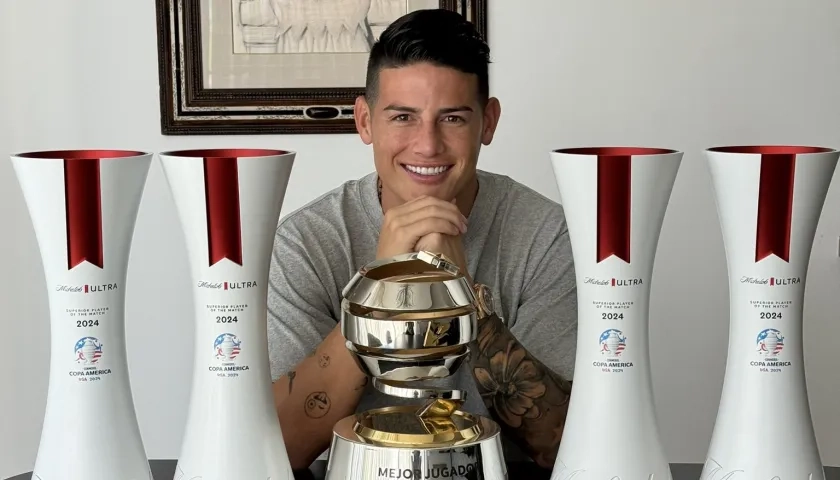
[299, 308]
[546, 320]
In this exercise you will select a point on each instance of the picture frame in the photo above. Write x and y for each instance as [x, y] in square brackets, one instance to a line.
[251, 67]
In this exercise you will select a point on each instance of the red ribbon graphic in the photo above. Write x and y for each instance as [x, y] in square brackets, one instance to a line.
[775, 194]
[614, 199]
[82, 200]
[775, 206]
[83, 209]
[613, 207]
[221, 187]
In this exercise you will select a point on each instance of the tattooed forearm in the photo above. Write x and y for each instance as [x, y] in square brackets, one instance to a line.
[320, 389]
[527, 399]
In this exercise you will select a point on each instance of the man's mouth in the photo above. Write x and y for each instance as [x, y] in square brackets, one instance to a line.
[428, 171]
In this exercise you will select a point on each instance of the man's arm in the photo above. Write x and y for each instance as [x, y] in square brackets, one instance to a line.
[321, 382]
[319, 391]
[528, 398]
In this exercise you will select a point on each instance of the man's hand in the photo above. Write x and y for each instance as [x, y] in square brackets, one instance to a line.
[450, 246]
[405, 225]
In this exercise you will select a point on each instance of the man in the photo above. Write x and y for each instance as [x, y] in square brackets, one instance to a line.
[426, 112]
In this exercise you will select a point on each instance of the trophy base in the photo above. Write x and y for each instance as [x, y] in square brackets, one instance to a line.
[394, 443]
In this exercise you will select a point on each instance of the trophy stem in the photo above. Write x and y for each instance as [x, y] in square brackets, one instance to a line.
[614, 200]
[229, 203]
[83, 206]
[769, 200]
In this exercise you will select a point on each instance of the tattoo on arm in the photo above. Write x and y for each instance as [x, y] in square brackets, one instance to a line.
[291, 376]
[527, 399]
[324, 361]
[317, 405]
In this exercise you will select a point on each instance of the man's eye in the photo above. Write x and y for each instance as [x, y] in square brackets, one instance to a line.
[401, 118]
[453, 119]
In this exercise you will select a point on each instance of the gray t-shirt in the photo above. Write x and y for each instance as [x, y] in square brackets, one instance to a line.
[516, 243]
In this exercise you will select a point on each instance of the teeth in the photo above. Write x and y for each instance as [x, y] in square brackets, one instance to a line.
[426, 170]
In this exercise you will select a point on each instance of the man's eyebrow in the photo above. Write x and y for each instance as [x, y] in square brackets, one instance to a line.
[460, 108]
[403, 108]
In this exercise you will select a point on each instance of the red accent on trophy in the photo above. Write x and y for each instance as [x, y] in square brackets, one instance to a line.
[221, 187]
[775, 194]
[83, 206]
[613, 207]
[775, 206]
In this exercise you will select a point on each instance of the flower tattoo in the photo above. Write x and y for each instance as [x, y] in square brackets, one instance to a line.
[511, 384]
[529, 400]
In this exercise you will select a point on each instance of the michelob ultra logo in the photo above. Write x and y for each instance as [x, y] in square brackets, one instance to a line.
[615, 282]
[87, 288]
[227, 285]
[771, 281]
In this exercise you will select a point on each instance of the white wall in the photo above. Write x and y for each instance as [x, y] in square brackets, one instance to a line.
[685, 74]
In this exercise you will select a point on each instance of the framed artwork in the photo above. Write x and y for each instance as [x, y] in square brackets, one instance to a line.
[273, 66]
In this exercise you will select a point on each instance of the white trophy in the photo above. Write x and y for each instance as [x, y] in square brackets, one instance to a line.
[614, 199]
[83, 205]
[769, 200]
[229, 203]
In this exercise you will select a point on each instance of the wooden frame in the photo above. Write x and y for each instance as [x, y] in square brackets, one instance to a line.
[189, 107]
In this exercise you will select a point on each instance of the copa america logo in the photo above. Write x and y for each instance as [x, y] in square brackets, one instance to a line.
[770, 342]
[88, 350]
[227, 346]
[612, 342]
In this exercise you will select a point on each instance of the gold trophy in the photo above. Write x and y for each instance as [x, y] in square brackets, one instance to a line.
[410, 319]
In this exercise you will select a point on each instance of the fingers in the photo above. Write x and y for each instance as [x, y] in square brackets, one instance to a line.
[404, 225]
[425, 201]
[419, 215]
[415, 231]
[422, 207]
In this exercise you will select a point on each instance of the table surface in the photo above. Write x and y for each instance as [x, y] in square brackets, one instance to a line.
[165, 470]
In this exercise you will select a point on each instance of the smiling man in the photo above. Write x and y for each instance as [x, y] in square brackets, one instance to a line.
[427, 112]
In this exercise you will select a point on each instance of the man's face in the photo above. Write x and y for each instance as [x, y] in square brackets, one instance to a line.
[426, 127]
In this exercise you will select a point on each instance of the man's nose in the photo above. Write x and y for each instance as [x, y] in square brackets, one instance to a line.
[428, 141]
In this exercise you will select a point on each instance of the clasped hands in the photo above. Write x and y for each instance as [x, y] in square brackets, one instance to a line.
[425, 224]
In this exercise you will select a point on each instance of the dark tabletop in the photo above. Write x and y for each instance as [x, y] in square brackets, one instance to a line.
[165, 470]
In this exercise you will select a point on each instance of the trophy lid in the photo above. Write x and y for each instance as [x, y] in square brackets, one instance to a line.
[411, 282]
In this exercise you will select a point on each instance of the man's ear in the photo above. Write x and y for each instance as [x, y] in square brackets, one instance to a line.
[492, 112]
[361, 112]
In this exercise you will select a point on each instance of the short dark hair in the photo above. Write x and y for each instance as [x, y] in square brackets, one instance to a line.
[437, 36]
